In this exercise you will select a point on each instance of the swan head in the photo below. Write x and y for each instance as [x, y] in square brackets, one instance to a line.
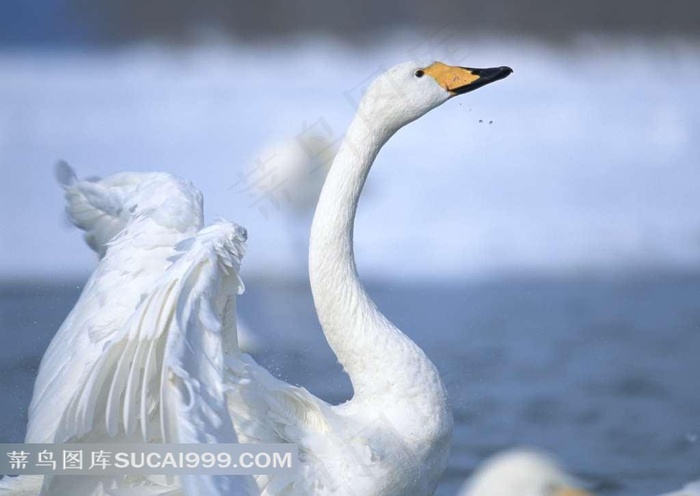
[409, 90]
[522, 472]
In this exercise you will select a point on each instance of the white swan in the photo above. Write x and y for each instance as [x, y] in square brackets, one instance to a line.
[294, 170]
[393, 436]
[522, 472]
[135, 344]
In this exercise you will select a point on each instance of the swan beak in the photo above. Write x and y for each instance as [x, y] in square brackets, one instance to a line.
[572, 491]
[459, 80]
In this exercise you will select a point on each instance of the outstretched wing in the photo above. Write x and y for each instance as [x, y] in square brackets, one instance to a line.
[160, 379]
[103, 208]
[166, 210]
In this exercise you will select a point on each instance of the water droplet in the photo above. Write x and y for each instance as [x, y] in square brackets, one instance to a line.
[691, 437]
[490, 122]
[481, 121]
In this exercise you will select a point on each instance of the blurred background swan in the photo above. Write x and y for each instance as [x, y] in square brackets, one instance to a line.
[297, 167]
[692, 489]
[568, 269]
[293, 170]
[521, 472]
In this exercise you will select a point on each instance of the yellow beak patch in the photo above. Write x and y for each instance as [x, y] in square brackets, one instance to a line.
[458, 80]
[450, 77]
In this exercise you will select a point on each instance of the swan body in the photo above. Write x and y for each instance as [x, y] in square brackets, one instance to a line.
[524, 472]
[155, 326]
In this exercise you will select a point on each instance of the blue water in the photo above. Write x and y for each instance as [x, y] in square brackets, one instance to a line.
[602, 372]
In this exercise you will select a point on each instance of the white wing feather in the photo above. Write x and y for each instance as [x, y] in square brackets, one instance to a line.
[161, 378]
[163, 211]
[340, 452]
[168, 211]
[103, 208]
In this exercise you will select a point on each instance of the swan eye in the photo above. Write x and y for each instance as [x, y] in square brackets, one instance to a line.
[419, 73]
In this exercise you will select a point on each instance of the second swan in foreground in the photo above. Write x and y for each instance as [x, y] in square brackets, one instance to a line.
[165, 365]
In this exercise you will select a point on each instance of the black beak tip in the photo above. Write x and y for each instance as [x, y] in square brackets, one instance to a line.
[486, 76]
[502, 73]
[497, 73]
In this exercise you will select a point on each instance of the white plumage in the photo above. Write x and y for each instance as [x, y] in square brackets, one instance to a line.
[102, 208]
[128, 361]
[160, 377]
[162, 211]
[149, 353]
[522, 472]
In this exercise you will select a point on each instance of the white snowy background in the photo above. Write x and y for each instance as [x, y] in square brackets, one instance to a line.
[585, 160]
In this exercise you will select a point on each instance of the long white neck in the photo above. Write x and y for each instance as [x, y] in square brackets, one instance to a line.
[382, 363]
